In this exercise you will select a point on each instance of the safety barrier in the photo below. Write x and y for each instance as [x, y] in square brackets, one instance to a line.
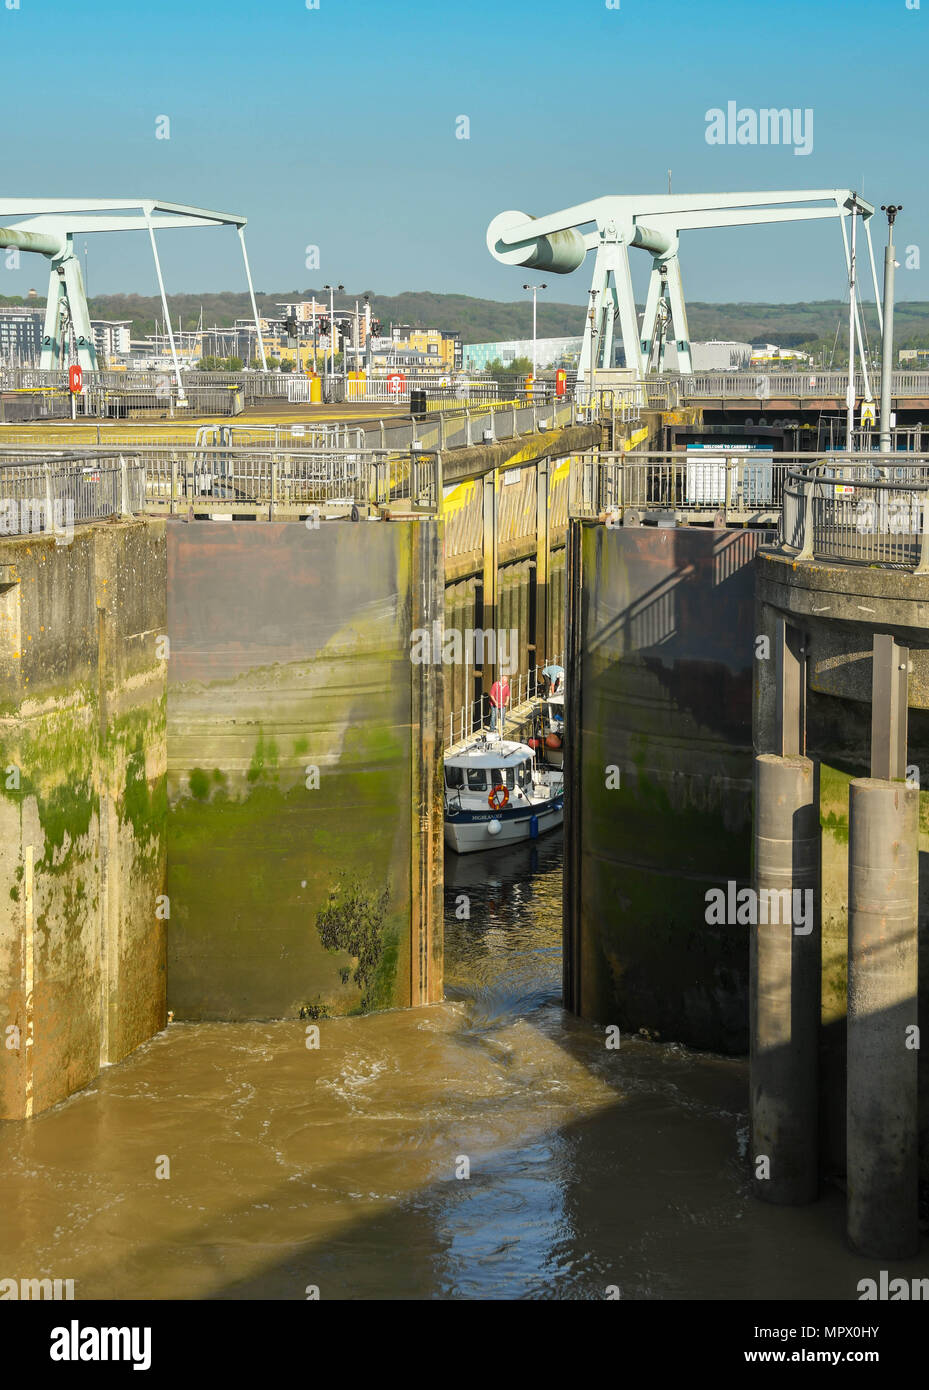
[859, 513]
[54, 492]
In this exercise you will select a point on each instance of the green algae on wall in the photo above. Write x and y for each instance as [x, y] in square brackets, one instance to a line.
[665, 673]
[83, 729]
[353, 922]
[290, 772]
[248, 868]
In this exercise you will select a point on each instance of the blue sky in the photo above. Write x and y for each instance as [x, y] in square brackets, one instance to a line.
[336, 127]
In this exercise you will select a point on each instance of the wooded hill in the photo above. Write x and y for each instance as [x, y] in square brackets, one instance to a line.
[812, 326]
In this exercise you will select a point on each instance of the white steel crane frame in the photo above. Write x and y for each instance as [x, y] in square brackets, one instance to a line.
[557, 244]
[48, 226]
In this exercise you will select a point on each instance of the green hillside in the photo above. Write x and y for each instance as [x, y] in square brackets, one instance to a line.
[808, 325]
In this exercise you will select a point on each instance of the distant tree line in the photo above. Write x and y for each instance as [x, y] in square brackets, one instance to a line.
[809, 326]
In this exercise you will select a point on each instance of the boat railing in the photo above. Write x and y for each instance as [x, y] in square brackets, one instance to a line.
[477, 716]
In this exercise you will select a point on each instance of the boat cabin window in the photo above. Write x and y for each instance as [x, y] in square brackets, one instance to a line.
[503, 777]
[477, 779]
[524, 775]
[454, 776]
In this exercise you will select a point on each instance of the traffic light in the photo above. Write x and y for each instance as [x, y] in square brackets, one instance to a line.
[375, 328]
[324, 327]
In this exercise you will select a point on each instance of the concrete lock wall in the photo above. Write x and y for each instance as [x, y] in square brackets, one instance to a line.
[515, 610]
[82, 810]
[304, 775]
[660, 643]
[281, 653]
[839, 609]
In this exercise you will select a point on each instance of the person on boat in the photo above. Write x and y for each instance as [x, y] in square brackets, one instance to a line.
[499, 698]
[553, 677]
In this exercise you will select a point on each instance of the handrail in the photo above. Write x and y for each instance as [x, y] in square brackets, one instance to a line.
[833, 512]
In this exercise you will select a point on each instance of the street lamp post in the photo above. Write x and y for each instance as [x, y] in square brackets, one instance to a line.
[592, 315]
[535, 291]
[887, 341]
[341, 289]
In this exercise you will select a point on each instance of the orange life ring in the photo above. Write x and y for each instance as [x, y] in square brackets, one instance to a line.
[497, 803]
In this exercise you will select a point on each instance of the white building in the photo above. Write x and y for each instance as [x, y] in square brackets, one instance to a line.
[111, 338]
[303, 310]
[21, 335]
[550, 352]
[714, 356]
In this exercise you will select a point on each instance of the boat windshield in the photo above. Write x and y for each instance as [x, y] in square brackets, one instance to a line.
[454, 776]
[477, 779]
[518, 776]
[503, 777]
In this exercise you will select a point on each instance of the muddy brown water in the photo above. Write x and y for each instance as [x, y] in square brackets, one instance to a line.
[339, 1168]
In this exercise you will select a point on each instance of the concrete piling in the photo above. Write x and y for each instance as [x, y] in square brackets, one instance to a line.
[883, 877]
[785, 969]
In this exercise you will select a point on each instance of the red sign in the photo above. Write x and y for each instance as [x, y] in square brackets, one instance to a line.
[75, 376]
[561, 377]
[396, 382]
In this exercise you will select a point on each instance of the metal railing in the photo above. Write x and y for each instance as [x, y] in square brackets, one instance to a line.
[459, 428]
[475, 717]
[254, 383]
[287, 482]
[624, 403]
[641, 486]
[857, 508]
[33, 435]
[52, 493]
[857, 512]
[803, 385]
[395, 388]
[808, 385]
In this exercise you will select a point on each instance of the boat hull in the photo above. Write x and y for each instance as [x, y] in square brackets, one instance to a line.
[467, 832]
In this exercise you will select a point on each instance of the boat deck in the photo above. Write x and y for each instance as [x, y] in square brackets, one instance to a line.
[517, 725]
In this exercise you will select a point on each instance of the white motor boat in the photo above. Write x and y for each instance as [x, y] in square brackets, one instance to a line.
[495, 794]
